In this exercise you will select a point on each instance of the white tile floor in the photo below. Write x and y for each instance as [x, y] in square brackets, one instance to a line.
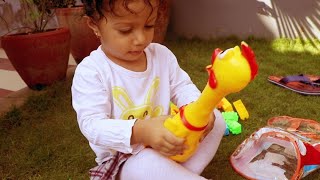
[10, 80]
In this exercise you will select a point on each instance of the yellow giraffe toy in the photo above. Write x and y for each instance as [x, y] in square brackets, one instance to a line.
[231, 71]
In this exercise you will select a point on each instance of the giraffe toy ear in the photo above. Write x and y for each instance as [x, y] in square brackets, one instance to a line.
[152, 90]
[121, 98]
[151, 93]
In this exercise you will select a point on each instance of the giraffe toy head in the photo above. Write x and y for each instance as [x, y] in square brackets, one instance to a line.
[232, 69]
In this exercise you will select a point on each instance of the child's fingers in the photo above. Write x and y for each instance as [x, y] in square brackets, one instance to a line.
[169, 152]
[165, 147]
[174, 140]
[174, 145]
[176, 149]
[168, 149]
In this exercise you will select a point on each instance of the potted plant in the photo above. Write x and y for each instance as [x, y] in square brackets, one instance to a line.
[39, 55]
[83, 40]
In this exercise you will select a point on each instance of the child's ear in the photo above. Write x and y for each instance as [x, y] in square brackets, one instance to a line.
[92, 25]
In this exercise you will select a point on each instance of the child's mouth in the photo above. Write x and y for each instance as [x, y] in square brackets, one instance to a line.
[135, 52]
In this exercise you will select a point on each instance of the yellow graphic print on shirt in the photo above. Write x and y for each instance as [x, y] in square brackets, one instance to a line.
[132, 111]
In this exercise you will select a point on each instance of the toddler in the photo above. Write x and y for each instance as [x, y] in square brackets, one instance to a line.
[122, 92]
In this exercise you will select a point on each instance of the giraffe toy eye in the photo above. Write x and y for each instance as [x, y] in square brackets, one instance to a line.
[223, 53]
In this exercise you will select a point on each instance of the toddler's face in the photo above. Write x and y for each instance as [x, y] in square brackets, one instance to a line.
[125, 35]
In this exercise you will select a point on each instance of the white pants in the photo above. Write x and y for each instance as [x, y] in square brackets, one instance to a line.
[149, 164]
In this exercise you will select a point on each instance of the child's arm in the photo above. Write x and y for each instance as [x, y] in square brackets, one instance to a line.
[92, 103]
[153, 133]
[93, 107]
[182, 89]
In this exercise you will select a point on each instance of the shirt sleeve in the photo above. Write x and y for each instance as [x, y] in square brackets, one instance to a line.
[92, 103]
[183, 90]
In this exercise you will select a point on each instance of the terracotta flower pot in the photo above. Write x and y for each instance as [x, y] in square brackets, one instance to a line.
[162, 21]
[41, 58]
[83, 40]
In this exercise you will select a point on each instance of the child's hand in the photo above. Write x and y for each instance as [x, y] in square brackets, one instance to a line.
[209, 126]
[152, 133]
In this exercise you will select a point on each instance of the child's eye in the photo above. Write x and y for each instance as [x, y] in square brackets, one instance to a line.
[149, 26]
[124, 31]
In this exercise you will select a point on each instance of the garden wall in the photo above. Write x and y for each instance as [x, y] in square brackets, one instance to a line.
[220, 18]
[243, 18]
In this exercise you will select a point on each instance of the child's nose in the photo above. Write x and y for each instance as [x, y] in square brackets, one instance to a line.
[139, 37]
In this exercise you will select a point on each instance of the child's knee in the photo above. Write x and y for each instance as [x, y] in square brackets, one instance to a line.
[149, 154]
[137, 166]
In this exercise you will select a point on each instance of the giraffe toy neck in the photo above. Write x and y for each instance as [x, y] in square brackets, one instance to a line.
[198, 112]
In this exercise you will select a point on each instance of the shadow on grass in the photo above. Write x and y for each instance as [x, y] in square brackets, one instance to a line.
[41, 139]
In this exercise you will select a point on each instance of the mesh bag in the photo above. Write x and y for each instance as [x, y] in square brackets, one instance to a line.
[288, 148]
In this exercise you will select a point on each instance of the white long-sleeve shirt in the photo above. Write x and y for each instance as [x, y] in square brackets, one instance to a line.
[109, 98]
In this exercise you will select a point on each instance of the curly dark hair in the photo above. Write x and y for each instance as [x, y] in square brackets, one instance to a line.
[94, 8]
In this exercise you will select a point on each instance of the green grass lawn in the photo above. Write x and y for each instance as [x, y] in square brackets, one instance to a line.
[41, 139]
